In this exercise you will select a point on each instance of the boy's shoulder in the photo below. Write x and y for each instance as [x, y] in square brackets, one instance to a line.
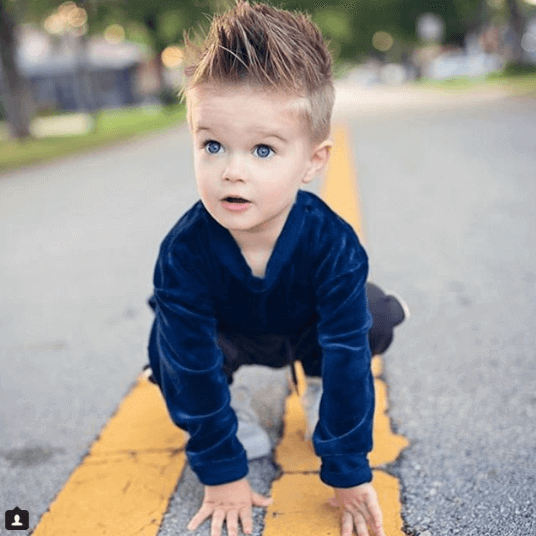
[325, 219]
[188, 230]
[333, 240]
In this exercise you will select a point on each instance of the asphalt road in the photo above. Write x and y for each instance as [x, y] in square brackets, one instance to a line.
[448, 194]
[450, 211]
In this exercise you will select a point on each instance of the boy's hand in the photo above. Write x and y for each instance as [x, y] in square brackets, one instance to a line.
[360, 507]
[228, 501]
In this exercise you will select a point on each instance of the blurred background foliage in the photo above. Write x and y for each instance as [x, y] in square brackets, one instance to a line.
[349, 24]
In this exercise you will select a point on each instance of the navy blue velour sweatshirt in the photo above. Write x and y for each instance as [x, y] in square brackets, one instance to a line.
[318, 269]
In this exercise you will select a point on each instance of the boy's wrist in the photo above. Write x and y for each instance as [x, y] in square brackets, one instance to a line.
[225, 483]
[222, 472]
[345, 471]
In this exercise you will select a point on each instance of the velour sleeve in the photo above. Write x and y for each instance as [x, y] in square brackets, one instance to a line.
[187, 366]
[343, 436]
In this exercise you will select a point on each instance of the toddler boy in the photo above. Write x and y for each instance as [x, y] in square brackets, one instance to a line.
[259, 271]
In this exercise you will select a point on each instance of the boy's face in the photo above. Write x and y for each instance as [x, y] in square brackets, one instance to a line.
[237, 153]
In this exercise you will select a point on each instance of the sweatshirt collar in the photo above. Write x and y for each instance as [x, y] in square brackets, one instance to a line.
[228, 251]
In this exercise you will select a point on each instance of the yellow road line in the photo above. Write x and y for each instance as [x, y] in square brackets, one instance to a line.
[339, 188]
[124, 484]
[300, 497]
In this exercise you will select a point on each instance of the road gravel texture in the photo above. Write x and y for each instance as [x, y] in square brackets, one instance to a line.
[450, 200]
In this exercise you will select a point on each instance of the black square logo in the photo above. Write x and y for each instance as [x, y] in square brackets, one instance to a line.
[17, 519]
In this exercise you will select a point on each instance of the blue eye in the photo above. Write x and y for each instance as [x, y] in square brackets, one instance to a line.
[209, 143]
[264, 150]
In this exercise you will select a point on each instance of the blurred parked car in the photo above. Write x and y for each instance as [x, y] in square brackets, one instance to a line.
[455, 65]
[364, 75]
[375, 73]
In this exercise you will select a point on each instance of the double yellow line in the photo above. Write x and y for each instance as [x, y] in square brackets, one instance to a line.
[124, 484]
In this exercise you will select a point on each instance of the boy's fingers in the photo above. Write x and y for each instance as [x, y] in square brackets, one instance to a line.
[217, 522]
[377, 518]
[259, 500]
[368, 518]
[232, 523]
[333, 502]
[347, 523]
[246, 520]
[361, 526]
[202, 514]
[378, 529]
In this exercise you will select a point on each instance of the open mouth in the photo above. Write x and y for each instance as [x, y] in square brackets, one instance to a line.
[236, 200]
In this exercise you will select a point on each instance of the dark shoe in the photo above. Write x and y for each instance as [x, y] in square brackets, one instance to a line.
[398, 306]
[388, 310]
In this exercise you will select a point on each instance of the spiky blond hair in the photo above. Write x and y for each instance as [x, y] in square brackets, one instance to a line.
[267, 48]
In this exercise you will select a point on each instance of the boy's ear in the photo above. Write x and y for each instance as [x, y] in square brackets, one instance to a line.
[319, 159]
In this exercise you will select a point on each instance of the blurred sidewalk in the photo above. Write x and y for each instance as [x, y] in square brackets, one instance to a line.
[354, 101]
[72, 124]
[62, 125]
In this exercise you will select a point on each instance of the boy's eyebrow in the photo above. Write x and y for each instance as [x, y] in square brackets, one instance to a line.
[262, 132]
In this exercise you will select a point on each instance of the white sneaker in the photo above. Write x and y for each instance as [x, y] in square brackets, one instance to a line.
[311, 404]
[250, 433]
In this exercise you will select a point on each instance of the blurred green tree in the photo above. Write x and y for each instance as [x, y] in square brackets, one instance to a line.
[352, 24]
[349, 24]
[517, 24]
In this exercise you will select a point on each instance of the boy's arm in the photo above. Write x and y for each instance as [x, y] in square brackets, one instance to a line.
[343, 436]
[187, 365]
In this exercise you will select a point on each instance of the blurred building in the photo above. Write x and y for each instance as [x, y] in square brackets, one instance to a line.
[63, 75]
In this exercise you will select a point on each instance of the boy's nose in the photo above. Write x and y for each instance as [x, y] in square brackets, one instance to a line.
[234, 177]
[235, 169]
